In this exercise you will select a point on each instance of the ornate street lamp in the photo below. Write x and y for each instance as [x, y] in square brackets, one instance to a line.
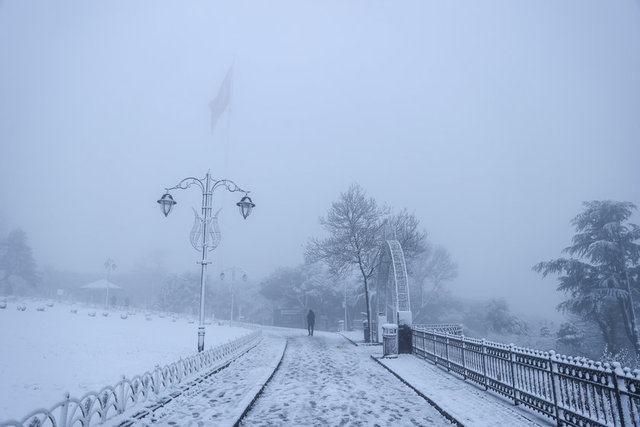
[234, 270]
[205, 234]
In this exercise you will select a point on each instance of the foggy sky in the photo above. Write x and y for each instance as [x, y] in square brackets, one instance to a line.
[492, 121]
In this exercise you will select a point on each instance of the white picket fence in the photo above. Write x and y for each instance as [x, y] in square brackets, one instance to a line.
[97, 407]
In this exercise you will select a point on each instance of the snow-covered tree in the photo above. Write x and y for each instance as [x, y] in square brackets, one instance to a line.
[432, 270]
[305, 286]
[16, 261]
[406, 230]
[570, 336]
[355, 225]
[602, 276]
[180, 294]
[284, 286]
[498, 318]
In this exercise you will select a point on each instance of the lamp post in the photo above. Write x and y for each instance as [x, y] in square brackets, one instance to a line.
[205, 234]
[109, 265]
[233, 271]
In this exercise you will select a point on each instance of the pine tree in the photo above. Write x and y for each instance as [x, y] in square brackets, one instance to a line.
[16, 261]
[603, 274]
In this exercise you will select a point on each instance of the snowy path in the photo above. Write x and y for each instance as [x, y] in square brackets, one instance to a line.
[466, 402]
[324, 380]
[220, 399]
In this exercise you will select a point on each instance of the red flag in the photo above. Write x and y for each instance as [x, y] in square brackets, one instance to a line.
[220, 103]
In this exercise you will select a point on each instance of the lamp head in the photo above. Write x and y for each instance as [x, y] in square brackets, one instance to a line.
[246, 206]
[166, 203]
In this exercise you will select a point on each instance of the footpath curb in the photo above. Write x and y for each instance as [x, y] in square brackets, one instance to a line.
[431, 402]
[362, 344]
[251, 398]
[348, 339]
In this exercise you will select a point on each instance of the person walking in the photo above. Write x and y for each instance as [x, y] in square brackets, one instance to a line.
[311, 320]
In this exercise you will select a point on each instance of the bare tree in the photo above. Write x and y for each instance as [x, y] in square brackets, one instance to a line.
[434, 267]
[406, 230]
[355, 224]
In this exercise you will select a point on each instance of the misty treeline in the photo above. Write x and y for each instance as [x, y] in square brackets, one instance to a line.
[356, 226]
[600, 279]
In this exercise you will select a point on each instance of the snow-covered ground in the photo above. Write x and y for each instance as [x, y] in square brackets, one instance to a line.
[322, 379]
[325, 380]
[48, 353]
[219, 399]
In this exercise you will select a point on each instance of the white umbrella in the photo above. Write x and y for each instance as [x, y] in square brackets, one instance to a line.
[101, 284]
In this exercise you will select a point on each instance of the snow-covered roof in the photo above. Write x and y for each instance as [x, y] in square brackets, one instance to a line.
[101, 284]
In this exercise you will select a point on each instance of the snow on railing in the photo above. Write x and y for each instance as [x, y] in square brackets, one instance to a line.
[449, 328]
[571, 391]
[94, 408]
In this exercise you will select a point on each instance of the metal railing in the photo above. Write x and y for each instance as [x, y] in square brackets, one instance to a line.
[94, 408]
[449, 328]
[571, 391]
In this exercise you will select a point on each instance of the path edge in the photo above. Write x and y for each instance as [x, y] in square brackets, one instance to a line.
[261, 388]
[163, 400]
[421, 394]
[348, 339]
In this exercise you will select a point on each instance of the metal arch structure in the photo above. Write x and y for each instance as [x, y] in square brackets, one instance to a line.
[392, 289]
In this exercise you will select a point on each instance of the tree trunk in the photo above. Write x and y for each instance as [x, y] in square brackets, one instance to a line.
[607, 336]
[366, 297]
[632, 324]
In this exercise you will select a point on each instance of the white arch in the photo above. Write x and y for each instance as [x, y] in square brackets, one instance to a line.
[392, 285]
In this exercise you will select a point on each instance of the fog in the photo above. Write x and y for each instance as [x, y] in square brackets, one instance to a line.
[491, 121]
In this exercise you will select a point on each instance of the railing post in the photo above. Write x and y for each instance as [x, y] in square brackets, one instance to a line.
[446, 350]
[617, 373]
[484, 364]
[464, 364]
[413, 341]
[554, 388]
[435, 355]
[512, 364]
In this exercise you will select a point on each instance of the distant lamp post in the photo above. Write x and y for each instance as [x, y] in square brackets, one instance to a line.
[205, 234]
[233, 271]
[109, 265]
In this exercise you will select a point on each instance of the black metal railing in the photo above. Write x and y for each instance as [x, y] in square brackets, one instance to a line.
[571, 391]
